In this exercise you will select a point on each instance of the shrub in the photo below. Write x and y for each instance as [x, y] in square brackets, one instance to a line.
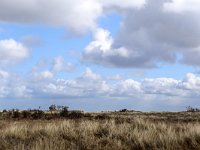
[75, 115]
[4, 111]
[191, 109]
[52, 108]
[123, 110]
[16, 114]
[26, 114]
[9, 113]
[87, 115]
[102, 117]
[37, 114]
[64, 112]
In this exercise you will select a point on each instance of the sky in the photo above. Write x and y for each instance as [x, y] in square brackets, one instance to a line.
[98, 55]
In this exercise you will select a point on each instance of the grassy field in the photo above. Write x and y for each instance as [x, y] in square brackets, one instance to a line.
[99, 131]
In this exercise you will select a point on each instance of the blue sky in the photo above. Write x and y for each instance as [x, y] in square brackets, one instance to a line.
[100, 55]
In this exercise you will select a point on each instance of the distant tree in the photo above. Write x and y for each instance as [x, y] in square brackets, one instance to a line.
[16, 114]
[190, 109]
[65, 108]
[64, 112]
[197, 109]
[4, 111]
[59, 107]
[123, 110]
[52, 107]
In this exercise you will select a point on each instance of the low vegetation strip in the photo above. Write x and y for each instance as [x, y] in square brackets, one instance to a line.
[120, 130]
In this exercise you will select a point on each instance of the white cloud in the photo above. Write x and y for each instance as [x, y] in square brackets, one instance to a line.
[191, 82]
[21, 91]
[165, 86]
[76, 15]
[89, 85]
[46, 75]
[89, 74]
[13, 86]
[59, 64]
[100, 49]
[41, 76]
[4, 74]
[151, 32]
[12, 52]
[126, 88]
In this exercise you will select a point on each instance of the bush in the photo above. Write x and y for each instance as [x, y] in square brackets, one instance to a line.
[123, 110]
[16, 114]
[52, 108]
[37, 114]
[64, 112]
[26, 114]
[9, 113]
[191, 109]
[102, 117]
[75, 115]
[4, 111]
[87, 115]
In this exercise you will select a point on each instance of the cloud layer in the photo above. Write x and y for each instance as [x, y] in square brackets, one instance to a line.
[159, 32]
[42, 85]
[76, 15]
[151, 32]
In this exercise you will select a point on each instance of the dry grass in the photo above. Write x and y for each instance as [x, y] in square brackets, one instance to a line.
[121, 131]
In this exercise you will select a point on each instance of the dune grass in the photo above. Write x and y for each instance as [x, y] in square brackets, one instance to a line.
[121, 131]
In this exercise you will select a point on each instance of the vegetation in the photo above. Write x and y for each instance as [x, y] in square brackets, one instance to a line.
[62, 129]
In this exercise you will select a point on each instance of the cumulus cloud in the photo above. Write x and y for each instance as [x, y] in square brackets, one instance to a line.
[158, 32]
[100, 50]
[151, 32]
[46, 75]
[38, 76]
[191, 82]
[66, 13]
[59, 65]
[76, 15]
[4, 74]
[92, 85]
[12, 86]
[12, 52]
[165, 86]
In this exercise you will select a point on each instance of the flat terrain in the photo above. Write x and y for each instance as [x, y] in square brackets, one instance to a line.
[99, 131]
